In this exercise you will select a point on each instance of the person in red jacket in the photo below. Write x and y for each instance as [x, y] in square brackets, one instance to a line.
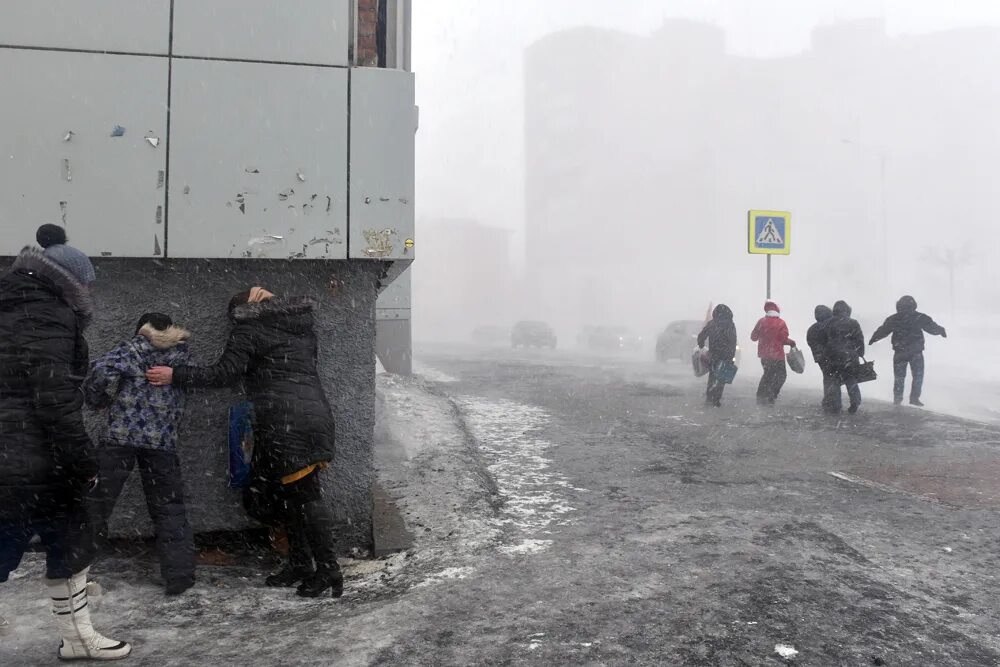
[771, 335]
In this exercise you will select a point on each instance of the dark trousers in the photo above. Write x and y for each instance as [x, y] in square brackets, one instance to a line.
[899, 363]
[65, 534]
[164, 489]
[832, 401]
[775, 374]
[299, 509]
[845, 375]
[713, 393]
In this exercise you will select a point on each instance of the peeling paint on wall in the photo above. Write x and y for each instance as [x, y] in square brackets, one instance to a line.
[62, 212]
[379, 242]
[67, 170]
[68, 136]
[160, 178]
[118, 131]
[265, 240]
[156, 245]
[159, 215]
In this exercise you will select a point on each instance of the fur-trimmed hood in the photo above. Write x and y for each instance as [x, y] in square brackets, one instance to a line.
[170, 337]
[274, 307]
[67, 287]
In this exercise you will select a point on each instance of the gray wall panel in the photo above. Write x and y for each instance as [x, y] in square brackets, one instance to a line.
[299, 31]
[136, 26]
[258, 161]
[107, 190]
[383, 122]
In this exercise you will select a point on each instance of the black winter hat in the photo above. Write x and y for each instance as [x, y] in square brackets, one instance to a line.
[158, 321]
[49, 235]
[841, 309]
[823, 313]
[906, 304]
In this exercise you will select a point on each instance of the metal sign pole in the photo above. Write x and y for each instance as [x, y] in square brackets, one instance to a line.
[768, 276]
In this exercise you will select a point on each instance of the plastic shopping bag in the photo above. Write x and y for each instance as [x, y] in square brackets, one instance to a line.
[796, 360]
[240, 444]
[699, 360]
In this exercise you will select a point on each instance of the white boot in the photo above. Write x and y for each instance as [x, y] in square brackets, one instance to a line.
[79, 639]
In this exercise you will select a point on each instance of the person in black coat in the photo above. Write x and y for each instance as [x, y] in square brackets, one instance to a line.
[47, 464]
[907, 327]
[720, 334]
[816, 338]
[272, 350]
[845, 345]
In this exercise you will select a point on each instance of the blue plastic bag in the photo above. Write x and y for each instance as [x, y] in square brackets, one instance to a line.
[726, 372]
[240, 444]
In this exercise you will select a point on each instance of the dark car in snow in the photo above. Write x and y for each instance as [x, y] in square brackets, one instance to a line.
[532, 334]
[678, 340]
[609, 338]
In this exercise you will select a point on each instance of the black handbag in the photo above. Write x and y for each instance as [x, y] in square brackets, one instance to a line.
[864, 372]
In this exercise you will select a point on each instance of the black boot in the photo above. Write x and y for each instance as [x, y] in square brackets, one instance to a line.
[288, 576]
[317, 525]
[299, 566]
[324, 578]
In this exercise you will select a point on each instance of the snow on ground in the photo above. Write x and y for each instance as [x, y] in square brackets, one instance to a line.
[532, 491]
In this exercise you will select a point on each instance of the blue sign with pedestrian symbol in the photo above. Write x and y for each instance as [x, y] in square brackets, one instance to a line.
[769, 232]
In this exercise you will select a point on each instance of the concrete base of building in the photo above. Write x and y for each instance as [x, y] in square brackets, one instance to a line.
[196, 293]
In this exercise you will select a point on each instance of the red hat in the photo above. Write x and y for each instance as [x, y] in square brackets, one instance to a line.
[770, 305]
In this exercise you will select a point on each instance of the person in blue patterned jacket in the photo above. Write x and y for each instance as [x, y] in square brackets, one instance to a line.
[142, 423]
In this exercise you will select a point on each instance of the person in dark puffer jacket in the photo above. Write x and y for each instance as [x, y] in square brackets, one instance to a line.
[142, 428]
[47, 465]
[272, 350]
[720, 334]
[845, 345]
[816, 338]
[907, 327]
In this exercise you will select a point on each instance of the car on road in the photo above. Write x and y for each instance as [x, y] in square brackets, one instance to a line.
[609, 338]
[679, 340]
[532, 334]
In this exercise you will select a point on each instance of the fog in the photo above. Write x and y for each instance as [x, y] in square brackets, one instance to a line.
[584, 166]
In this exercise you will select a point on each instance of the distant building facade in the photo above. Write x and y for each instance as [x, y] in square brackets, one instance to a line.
[643, 154]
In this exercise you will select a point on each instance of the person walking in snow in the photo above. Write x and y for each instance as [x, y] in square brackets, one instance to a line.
[771, 336]
[272, 350]
[49, 470]
[142, 423]
[907, 327]
[720, 335]
[816, 338]
[845, 345]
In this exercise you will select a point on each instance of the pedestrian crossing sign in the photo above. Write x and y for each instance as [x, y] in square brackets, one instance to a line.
[769, 232]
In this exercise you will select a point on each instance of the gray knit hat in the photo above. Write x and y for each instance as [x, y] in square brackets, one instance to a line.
[73, 260]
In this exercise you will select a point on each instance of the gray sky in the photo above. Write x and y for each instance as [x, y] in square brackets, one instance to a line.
[468, 57]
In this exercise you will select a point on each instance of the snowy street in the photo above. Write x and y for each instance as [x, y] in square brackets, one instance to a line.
[588, 510]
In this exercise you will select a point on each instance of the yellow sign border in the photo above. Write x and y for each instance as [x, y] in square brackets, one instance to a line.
[752, 237]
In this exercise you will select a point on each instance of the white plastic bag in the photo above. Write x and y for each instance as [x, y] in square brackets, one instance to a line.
[700, 362]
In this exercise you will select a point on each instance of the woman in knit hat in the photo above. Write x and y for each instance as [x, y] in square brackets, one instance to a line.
[771, 336]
